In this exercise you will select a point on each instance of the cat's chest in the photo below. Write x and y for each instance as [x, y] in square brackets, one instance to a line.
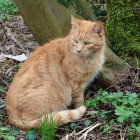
[83, 71]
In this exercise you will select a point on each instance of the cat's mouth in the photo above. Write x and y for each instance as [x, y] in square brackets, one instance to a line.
[82, 53]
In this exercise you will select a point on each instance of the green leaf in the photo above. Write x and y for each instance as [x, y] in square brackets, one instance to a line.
[130, 135]
[103, 100]
[133, 125]
[122, 111]
[105, 93]
[30, 135]
[2, 89]
[73, 126]
[138, 128]
[4, 129]
[1, 123]
[120, 119]
[9, 137]
[14, 130]
[87, 122]
[132, 100]
[119, 110]
[88, 103]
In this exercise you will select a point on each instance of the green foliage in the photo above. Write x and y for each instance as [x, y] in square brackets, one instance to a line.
[4, 135]
[30, 135]
[67, 3]
[64, 2]
[2, 89]
[7, 8]
[122, 28]
[14, 130]
[73, 126]
[1, 123]
[87, 122]
[47, 127]
[98, 10]
[118, 107]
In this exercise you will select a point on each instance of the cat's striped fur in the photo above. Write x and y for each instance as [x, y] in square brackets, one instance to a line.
[55, 75]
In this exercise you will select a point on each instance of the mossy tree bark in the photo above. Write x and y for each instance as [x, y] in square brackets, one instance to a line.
[123, 26]
[48, 19]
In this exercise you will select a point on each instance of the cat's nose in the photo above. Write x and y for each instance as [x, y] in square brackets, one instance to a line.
[78, 51]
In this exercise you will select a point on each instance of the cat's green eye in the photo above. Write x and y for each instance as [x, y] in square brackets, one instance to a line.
[75, 41]
[87, 43]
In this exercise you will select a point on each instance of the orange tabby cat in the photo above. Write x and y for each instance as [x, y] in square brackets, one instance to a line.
[55, 75]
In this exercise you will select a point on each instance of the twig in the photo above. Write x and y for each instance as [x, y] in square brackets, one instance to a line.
[67, 136]
[123, 11]
[2, 106]
[4, 81]
[121, 134]
[133, 9]
[135, 80]
[3, 30]
[83, 130]
[84, 135]
[90, 129]
[13, 38]
[137, 63]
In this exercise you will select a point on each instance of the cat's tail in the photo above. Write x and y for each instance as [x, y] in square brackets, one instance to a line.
[61, 117]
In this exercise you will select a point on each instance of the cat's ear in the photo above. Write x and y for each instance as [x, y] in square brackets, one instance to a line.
[75, 23]
[98, 28]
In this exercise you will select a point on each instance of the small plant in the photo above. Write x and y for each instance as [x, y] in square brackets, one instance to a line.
[30, 135]
[6, 133]
[64, 2]
[2, 89]
[117, 108]
[7, 8]
[47, 127]
[73, 126]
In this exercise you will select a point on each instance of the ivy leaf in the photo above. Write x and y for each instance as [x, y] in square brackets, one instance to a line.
[14, 130]
[4, 129]
[132, 100]
[133, 125]
[105, 93]
[30, 135]
[73, 126]
[9, 137]
[88, 102]
[2, 89]
[87, 123]
[120, 119]
[119, 110]
[1, 123]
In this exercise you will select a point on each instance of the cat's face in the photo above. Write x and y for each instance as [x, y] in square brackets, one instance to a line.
[86, 37]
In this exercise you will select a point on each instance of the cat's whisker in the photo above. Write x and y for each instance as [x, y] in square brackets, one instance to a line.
[85, 58]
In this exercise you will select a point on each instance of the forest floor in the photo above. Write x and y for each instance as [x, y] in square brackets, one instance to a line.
[92, 125]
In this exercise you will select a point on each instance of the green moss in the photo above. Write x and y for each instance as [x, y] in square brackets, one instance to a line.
[109, 62]
[123, 27]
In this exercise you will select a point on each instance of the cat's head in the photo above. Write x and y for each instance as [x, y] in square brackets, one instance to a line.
[86, 37]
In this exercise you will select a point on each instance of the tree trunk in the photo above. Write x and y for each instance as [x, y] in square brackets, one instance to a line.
[123, 27]
[48, 19]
